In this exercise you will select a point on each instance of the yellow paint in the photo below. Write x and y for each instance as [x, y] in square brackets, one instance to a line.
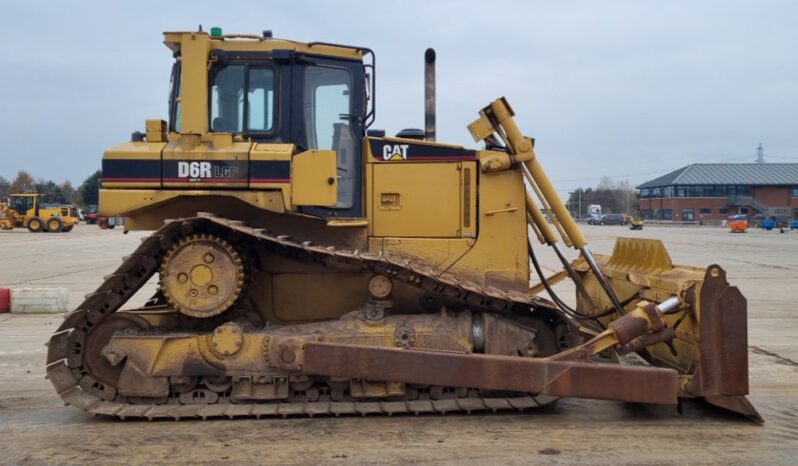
[127, 202]
[417, 200]
[155, 130]
[272, 151]
[499, 255]
[176, 40]
[314, 178]
[194, 50]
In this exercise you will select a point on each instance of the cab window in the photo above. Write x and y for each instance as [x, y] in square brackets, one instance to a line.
[175, 106]
[260, 99]
[242, 97]
[328, 125]
[22, 204]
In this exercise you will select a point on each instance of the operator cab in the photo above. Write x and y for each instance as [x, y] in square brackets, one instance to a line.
[271, 91]
[23, 203]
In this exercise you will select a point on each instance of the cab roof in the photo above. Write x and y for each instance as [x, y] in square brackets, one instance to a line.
[254, 43]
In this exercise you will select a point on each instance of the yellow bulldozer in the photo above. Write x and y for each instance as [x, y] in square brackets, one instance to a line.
[26, 211]
[309, 264]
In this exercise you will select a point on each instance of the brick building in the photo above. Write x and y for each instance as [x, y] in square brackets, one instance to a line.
[710, 192]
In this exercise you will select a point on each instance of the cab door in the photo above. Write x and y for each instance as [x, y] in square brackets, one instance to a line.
[332, 98]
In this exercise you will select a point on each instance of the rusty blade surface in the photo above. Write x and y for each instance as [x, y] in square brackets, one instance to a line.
[724, 337]
[722, 374]
[638, 384]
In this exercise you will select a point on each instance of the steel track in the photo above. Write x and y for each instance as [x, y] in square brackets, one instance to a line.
[76, 386]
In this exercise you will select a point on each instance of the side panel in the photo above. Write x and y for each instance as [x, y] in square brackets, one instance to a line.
[417, 200]
[270, 169]
[205, 166]
[499, 257]
[133, 165]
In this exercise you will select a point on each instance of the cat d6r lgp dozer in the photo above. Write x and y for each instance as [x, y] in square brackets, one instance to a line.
[310, 266]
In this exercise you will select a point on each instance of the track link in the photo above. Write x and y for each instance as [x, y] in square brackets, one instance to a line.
[76, 386]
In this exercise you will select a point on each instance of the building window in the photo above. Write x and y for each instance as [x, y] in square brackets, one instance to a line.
[711, 191]
[723, 211]
[795, 191]
[704, 211]
[744, 210]
[662, 214]
[687, 215]
[647, 214]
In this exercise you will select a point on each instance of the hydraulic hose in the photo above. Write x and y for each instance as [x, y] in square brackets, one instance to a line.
[560, 304]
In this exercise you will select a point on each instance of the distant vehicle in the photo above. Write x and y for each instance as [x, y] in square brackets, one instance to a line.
[26, 210]
[635, 223]
[90, 216]
[108, 223]
[737, 223]
[610, 219]
[768, 224]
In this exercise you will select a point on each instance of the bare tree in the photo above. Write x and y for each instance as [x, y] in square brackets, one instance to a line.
[5, 187]
[23, 183]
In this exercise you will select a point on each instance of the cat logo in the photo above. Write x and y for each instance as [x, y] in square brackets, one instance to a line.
[394, 152]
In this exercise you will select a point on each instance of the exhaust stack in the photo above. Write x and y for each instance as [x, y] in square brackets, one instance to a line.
[429, 94]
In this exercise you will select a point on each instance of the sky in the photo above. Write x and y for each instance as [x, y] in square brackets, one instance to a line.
[625, 89]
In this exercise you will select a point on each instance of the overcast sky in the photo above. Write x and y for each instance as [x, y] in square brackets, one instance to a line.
[628, 89]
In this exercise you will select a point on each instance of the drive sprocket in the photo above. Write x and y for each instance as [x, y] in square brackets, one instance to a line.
[202, 275]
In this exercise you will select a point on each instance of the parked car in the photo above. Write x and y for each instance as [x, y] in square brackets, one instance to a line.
[611, 219]
[793, 224]
[90, 215]
[108, 223]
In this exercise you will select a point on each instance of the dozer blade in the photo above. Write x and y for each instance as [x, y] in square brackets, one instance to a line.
[710, 347]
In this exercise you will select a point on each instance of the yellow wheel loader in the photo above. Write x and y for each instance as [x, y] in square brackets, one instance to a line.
[27, 211]
[309, 264]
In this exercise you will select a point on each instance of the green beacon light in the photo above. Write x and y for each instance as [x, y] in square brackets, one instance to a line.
[216, 32]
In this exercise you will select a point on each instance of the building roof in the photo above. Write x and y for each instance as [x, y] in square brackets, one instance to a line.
[729, 173]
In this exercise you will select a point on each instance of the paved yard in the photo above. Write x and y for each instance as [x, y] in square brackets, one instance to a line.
[36, 428]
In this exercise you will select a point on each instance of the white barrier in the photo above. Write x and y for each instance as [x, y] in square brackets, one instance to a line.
[39, 300]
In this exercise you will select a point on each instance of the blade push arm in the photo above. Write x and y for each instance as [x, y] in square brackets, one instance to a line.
[497, 119]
